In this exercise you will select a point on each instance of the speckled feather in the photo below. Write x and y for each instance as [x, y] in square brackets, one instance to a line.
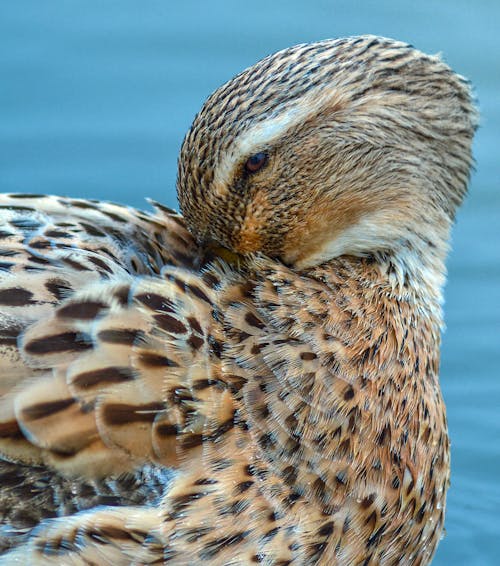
[294, 389]
[50, 247]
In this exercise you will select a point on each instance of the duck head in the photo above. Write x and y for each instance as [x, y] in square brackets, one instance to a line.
[342, 147]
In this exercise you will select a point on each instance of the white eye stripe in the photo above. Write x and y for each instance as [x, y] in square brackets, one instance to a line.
[264, 133]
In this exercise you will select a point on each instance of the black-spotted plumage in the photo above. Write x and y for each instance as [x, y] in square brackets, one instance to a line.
[50, 247]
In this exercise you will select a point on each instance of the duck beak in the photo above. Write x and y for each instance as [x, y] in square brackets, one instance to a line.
[213, 251]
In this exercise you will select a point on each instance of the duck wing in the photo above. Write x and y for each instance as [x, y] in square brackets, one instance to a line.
[51, 249]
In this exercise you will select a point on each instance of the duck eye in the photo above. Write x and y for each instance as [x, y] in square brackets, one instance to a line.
[256, 162]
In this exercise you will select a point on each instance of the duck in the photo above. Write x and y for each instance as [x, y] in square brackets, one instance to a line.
[257, 379]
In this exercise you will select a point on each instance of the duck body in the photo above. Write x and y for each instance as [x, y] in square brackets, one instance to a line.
[356, 368]
[292, 379]
[334, 450]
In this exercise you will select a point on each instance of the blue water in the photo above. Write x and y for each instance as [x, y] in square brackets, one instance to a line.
[95, 98]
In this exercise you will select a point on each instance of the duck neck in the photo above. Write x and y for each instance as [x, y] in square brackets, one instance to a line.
[416, 266]
[413, 272]
[415, 269]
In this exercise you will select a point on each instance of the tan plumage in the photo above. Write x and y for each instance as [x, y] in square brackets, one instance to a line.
[293, 384]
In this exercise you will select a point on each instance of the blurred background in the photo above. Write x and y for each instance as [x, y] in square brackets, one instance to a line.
[95, 98]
